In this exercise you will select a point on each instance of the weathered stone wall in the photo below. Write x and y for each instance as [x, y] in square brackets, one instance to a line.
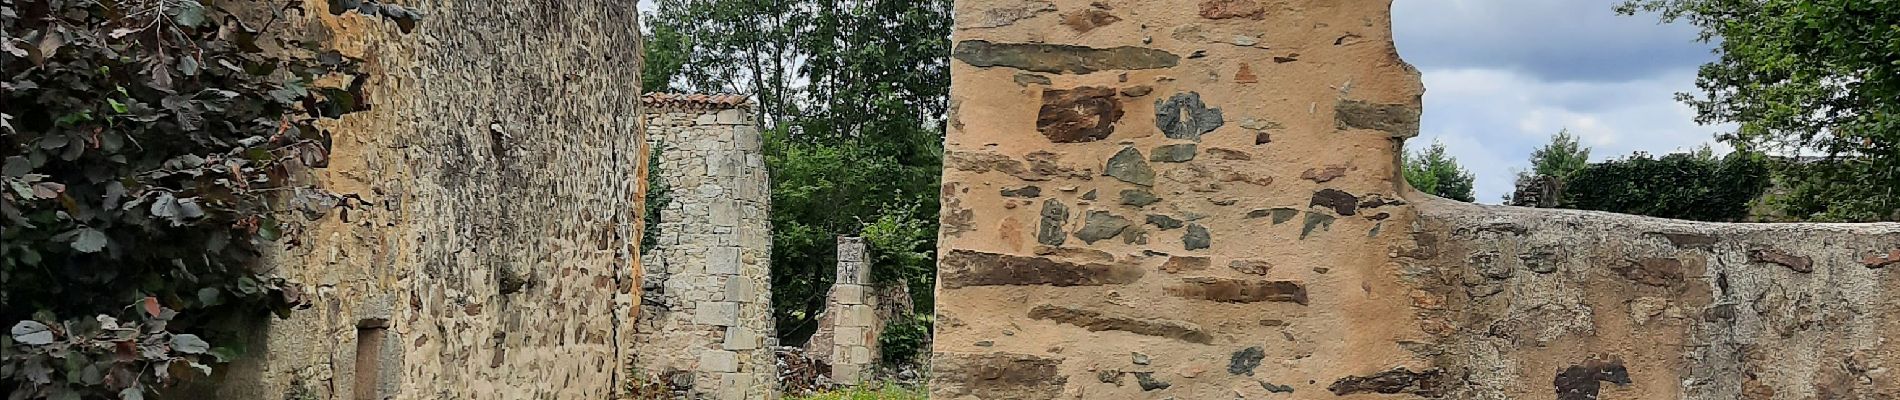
[482, 245]
[1526, 303]
[707, 307]
[1200, 199]
[848, 331]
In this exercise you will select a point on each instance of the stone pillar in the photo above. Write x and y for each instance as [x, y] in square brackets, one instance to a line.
[706, 312]
[1201, 199]
[853, 321]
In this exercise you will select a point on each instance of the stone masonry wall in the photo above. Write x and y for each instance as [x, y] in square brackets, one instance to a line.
[1524, 303]
[707, 291]
[847, 333]
[482, 218]
[1200, 199]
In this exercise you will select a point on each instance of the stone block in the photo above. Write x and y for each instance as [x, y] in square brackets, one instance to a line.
[733, 386]
[856, 315]
[850, 336]
[861, 355]
[740, 289]
[846, 373]
[740, 338]
[731, 117]
[848, 294]
[718, 361]
[720, 313]
[722, 261]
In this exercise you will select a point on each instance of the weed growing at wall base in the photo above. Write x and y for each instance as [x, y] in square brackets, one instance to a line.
[885, 391]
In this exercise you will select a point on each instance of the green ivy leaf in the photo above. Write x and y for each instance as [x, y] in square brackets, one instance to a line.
[209, 297]
[16, 166]
[32, 333]
[190, 13]
[189, 344]
[89, 240]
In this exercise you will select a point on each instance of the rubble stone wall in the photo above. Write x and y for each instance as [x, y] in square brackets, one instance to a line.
[480, 233]
[706, 307]
[848, 332]
[1201, 199]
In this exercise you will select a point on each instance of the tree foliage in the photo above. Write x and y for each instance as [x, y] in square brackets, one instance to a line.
[1806, 76]
[1551, 165]
[1693, 186]
[145, 146]
[1432, 171]
[1562, 157]
[852, 96]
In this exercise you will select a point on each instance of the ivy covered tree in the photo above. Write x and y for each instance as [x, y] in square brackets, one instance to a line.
[148, 146]
[1432, 171]
[1805, 77]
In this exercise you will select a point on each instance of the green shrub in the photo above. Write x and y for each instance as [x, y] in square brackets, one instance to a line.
[884, 391]
[1697, 186]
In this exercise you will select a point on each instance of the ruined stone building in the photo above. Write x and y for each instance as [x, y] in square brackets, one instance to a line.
[1200, 199]
[706, 315]
[483, 217]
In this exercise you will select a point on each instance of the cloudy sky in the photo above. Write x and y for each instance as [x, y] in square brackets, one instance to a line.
[1501, 76]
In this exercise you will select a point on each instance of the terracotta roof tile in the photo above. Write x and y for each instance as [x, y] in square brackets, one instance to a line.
[694, 101]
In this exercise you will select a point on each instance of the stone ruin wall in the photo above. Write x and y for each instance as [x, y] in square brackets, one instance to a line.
[847, 335]
[706, 314]
[1200, 199]
[483, 241]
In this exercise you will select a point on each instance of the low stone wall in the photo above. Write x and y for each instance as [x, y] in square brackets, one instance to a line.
[706, 313]
[1202, 200]
[1522, 303]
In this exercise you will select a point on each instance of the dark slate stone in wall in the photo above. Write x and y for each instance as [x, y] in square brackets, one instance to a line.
[1138, 197]
[1099, 321]
[1397, 119]
[1101, 225]
[963, 268]
[998, 375]
[1183, 116]
[1054, 216]
[1339, 201]
[1173, 153]
[1665, 272]
[1428, 383]
[1584, 381]
[1802, 264]
[1083, 114]
[1243, 362]
[1128, 166]
[1239, 291]
[1061, 59]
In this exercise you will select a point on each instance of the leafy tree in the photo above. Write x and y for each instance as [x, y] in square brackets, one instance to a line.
[1561, 158]
[665, 51]
[852, 96]
[1694, 186]
[1802, 76]
[1551, 166]
[1433, 171]
[145, 143]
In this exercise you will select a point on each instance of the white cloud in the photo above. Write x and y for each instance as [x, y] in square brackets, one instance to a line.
[1491, 119]
[1501, 76]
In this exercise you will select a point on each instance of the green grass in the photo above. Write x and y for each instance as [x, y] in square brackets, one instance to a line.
[879, 392]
